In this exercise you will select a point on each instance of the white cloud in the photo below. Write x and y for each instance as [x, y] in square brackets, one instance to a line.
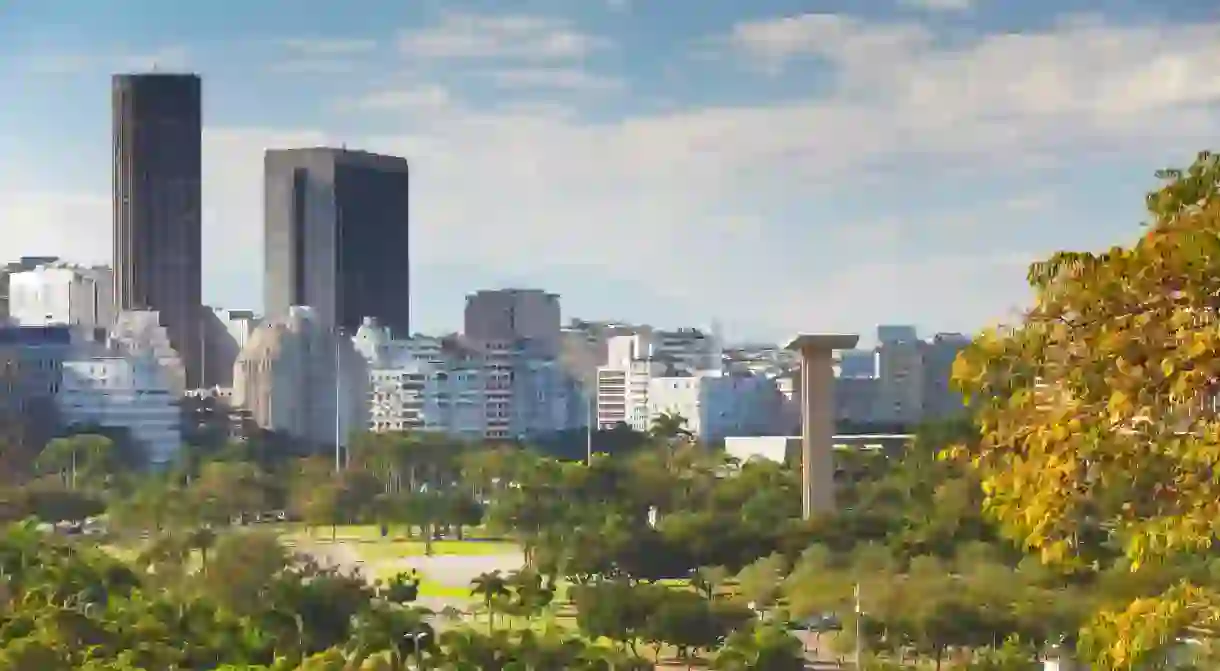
[423, 97]
[838, 38]
[171, 58]
[685, 200]
[312, 66]
[524, 37]
[940, 5]
[558, 79]
[322, 46]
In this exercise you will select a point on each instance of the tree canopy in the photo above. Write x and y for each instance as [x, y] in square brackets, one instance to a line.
[1097, 412]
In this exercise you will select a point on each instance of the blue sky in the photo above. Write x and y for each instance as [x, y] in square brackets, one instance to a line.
[777, 165]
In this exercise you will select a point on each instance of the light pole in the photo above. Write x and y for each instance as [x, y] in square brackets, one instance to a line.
[338, 397]
[859, 613]
[591, 412]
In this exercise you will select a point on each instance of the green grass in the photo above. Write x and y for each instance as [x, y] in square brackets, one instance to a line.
[437, 590]
[365, 533]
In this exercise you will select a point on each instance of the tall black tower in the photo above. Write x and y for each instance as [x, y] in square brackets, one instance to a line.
[157, 193]
[337, 236]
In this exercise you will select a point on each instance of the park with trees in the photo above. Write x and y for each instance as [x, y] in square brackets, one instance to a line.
[1073, 510]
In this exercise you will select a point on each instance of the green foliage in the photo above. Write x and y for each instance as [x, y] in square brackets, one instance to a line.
[1096, 413]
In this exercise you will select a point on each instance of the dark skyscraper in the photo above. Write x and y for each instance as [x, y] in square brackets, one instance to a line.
[337, 236]
[157, 232]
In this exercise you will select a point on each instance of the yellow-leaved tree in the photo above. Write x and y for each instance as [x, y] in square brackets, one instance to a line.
[1098, 412]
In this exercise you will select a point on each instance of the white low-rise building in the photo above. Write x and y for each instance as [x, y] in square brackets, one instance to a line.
[716, 405]
[123, 392]
[59, 293]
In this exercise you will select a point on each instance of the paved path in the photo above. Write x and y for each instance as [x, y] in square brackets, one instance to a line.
[446, 570]
[458, 570]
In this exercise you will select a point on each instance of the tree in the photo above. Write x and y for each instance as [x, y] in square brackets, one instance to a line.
[530, 593]
[228, 489]
[761, 647]
[615, 610]
[1097, 416]
[88, 457]
[670, 428]
[492, 590]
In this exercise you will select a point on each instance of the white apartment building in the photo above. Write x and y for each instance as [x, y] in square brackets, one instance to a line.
[716, 405]
[637, 384]
[585, 347]
[491, 389]
[623, 383]
[124, 392]
[59, 293]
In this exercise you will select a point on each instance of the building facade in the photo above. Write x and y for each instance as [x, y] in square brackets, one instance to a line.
[717, 405]
[337, 237]
[123, 392]
[8, 269]
[941, 400]
[225, 333]
[139, 333]
[157, 138]
[623, 383]
[77, 296]
[488, 390]
[526, 317]
[299, 378]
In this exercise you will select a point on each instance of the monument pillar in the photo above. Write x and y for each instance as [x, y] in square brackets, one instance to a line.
[817, 418]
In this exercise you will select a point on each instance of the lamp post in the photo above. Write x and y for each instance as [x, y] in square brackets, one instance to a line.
[338, 399]
[591, 412]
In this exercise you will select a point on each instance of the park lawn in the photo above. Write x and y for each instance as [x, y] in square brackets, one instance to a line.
[377, 551]
[437, 590]
[124, 553]
[368, 533]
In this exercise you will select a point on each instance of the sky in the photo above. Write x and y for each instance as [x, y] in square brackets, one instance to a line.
[774, 165]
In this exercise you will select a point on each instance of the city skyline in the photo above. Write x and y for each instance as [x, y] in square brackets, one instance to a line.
[646, 168]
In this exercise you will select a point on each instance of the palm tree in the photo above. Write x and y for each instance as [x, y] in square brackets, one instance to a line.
[202, 539]
[492, 588]
[670, 428]
[530, 594]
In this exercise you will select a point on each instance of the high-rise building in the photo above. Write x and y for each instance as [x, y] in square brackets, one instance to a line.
[336, 226]
[157, 127]
[514, 316]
